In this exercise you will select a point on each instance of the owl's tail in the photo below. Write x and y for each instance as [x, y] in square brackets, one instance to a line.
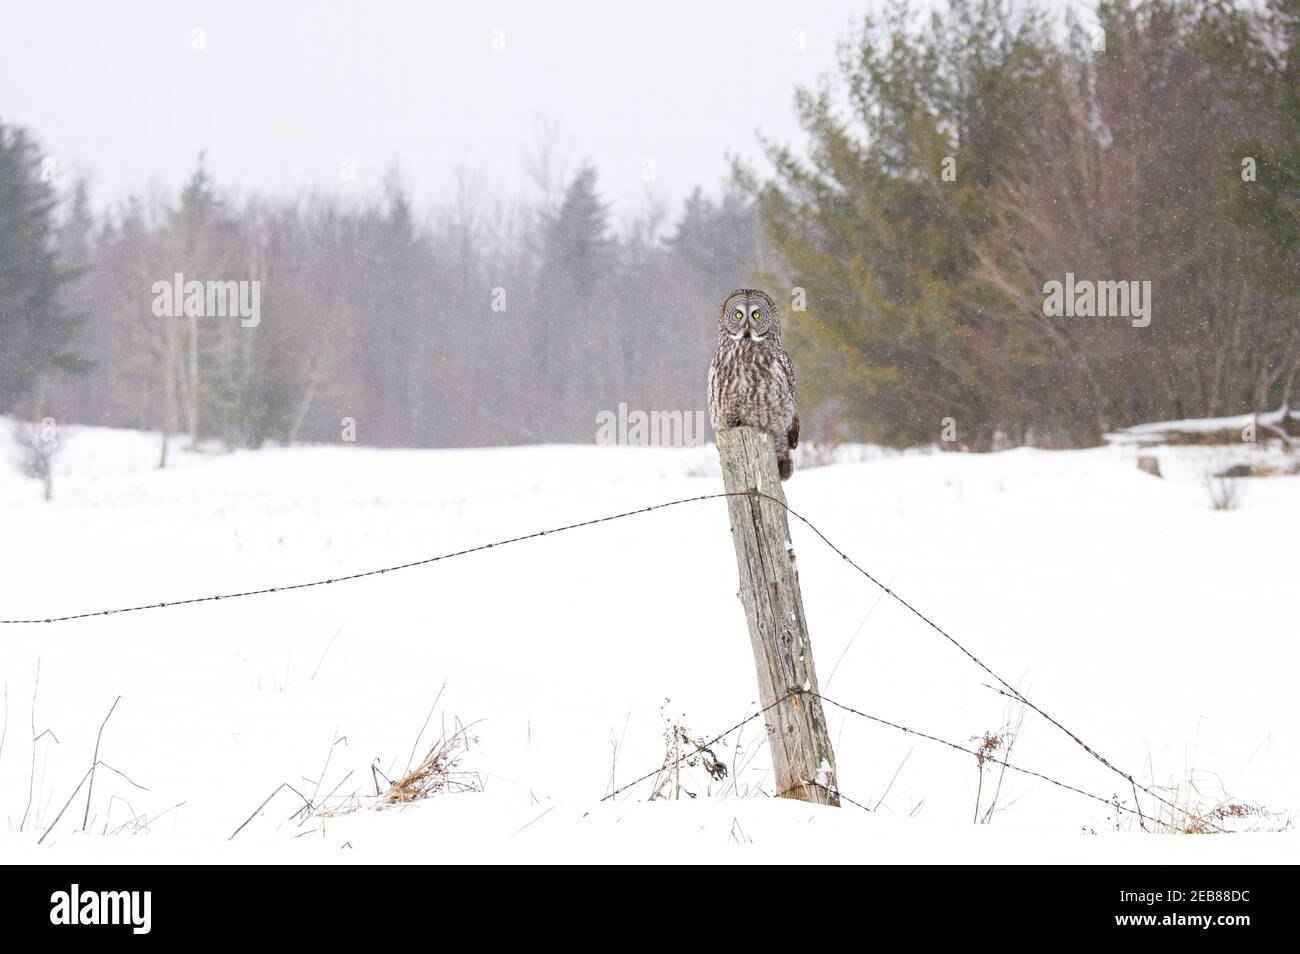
[785, 466]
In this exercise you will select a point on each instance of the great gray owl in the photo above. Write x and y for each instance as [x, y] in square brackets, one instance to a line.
[751, 380]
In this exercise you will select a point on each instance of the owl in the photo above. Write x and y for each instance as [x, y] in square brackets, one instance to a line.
[751, 380]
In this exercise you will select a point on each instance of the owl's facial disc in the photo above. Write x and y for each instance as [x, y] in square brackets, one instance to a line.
[748, 315]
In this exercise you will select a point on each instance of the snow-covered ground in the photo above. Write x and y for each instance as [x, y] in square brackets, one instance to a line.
[1162, 631]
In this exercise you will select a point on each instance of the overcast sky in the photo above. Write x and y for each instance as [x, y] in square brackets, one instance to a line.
[281, 95]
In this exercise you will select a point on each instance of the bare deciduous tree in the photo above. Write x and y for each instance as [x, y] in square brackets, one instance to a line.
[38, 444]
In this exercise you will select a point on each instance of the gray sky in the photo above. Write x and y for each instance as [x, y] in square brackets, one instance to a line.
[286, 92]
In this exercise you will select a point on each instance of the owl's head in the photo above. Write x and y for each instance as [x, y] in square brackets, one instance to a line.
[749, 313]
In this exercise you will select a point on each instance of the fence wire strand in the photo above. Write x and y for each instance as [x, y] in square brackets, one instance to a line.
[1010, 691]
[971, 752]
[365, 573]
[699, 748]
[835, 788]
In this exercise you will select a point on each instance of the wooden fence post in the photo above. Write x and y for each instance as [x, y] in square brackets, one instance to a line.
[802, 760]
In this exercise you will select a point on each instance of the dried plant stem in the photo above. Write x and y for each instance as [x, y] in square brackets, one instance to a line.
[95, 761]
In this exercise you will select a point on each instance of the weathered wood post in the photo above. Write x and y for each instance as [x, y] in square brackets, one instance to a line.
[802, 759]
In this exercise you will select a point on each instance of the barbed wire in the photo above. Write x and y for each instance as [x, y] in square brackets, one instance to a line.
[835, 788]
[1011, 691]
[262, 591]
[699, 748]
[985, 756]
[832, 789]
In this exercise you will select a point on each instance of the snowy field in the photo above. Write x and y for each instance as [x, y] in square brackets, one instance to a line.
[1162, 631]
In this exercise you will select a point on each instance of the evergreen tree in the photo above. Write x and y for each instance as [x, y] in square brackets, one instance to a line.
[1261, 180]
[36, 329]
[578, 248]
[882, 223]
[576, 336]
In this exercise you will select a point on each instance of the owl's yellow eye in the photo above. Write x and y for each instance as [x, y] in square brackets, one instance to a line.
[739, 314]
[754, 314]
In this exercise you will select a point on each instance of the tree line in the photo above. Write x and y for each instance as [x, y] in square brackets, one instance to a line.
[479, 322]
[960, 167]
[953, 169]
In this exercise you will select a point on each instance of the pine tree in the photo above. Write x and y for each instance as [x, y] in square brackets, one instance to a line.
[577, 339]
[882, 222]
[36, 329]
[1261, 182]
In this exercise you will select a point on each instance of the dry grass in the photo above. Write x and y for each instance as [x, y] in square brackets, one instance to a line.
[437, 772]
[1225, 492]
[1191, 812]
[683, 751]
[992, 752]
[690, 767]
[1196, 804]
